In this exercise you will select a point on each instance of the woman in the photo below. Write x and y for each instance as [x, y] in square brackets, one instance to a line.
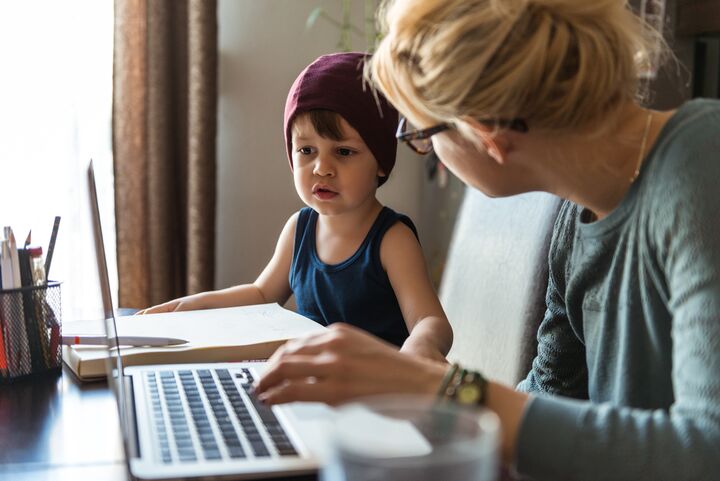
[524, 95]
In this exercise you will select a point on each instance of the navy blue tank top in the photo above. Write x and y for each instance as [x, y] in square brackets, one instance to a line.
[356, 291]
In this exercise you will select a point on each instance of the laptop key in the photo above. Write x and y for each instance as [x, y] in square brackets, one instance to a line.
[208, 444]
[236, 451]
[274, 429]
[285, 449]
[188, 456]
[203, 427]
[212, 454]
[260, 450]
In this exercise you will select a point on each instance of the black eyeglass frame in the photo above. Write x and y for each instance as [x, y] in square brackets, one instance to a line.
[518, 125]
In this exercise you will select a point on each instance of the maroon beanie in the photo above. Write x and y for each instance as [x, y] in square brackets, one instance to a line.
[335, 82]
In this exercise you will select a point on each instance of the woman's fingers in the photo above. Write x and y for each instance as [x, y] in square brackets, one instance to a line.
[296, 367]
[339, 364]
[328, 341]
[331, 391]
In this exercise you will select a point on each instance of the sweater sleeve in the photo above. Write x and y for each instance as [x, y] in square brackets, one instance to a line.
[563, 439]
[559, 367]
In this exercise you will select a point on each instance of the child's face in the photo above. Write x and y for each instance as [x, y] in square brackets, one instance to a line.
[333, 176]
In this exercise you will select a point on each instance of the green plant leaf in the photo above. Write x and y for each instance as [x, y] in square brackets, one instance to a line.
[314, 15]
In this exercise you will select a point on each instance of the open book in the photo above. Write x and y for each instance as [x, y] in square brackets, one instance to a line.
[214, 335]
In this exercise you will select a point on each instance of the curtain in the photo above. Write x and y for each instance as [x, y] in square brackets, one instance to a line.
[164, 128]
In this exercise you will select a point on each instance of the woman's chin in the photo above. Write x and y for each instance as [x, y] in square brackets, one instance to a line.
[494, 191]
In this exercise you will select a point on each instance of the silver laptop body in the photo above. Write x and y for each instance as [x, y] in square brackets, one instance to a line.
[182, 421]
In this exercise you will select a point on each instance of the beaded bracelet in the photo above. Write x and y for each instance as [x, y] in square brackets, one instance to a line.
[447, 380]
[465, 387]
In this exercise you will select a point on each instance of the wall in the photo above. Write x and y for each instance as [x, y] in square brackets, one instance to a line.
[673, 83]
[263, 46]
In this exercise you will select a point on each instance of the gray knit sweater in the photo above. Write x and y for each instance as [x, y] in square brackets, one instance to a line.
[627, 376]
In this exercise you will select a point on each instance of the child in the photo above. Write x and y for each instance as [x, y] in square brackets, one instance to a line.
[345, 257]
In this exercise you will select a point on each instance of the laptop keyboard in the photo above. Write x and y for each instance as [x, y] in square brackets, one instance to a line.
[202, 415]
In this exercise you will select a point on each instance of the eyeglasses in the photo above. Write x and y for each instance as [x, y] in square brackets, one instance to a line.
[419, 139]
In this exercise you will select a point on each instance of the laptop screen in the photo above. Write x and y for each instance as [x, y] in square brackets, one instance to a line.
[113, 367]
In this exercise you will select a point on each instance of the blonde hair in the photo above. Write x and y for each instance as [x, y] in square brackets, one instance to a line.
[558, 64]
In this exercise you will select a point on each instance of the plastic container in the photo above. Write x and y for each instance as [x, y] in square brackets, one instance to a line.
[405, 437]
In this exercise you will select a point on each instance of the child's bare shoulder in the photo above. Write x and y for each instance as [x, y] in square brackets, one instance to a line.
[288, 232]
[398, 238]
[292, 221]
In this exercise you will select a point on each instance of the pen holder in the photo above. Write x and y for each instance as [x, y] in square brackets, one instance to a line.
[30, 323]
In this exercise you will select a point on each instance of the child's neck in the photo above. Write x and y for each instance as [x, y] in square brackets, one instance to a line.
[348, 223]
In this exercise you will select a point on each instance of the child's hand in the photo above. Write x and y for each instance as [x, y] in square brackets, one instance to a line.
[188, 303]
[421, 349]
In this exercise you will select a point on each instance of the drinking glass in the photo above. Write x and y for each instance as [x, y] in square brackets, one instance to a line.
[403, 438]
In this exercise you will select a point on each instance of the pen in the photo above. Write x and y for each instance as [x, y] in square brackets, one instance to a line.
[122, 341]
[51, 247]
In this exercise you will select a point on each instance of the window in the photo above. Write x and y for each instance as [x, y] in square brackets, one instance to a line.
[55, 114]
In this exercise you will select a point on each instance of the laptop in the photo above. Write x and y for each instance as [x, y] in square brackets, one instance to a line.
[184, 421]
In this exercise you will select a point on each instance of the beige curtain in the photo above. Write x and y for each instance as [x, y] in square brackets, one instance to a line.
[164, 127]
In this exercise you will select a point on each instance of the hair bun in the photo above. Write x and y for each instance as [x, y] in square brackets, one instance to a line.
[561, 65]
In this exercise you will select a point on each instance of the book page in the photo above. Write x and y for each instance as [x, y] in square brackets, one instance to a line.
[210, 334]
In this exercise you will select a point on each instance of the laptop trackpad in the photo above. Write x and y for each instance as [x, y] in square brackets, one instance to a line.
[372, 434]
[313, 422]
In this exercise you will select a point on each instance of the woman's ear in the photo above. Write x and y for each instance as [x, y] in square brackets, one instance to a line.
[381, 172]
[497, 144]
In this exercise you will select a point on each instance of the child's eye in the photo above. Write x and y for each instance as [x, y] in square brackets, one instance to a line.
[345, 152]
[305, 150]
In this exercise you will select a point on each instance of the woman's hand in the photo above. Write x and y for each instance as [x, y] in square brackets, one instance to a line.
[187, 303]
[341, 364]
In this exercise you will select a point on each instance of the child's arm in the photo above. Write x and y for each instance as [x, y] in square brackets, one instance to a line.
[430, 333]
[272, 285]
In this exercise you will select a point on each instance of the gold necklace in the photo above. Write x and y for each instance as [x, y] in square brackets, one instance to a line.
[642, 148]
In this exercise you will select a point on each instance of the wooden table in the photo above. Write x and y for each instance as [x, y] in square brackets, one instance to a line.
[56, 428]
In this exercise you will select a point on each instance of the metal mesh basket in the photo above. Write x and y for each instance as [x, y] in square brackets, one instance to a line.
[30, 325]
